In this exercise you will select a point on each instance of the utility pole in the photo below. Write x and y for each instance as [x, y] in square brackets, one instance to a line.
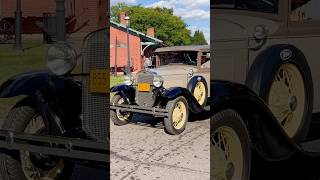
[116, 58]
[60, 20]
[127, 18]
[18, 36]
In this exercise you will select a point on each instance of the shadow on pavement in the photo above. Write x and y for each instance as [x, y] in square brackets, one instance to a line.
[298, 167]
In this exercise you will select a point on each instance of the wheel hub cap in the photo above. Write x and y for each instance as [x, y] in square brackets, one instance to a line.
[293, 102]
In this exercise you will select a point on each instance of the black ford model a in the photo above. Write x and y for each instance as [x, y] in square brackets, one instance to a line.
[61, 122]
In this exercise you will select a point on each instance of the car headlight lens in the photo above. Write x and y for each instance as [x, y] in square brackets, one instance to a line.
[61, 58]
[157, 81]
[128, 80]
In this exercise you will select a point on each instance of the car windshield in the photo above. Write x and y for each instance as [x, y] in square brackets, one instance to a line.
[188, 58]
[268, 6]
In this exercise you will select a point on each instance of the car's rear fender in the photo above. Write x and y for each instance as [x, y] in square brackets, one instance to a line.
[267, 136]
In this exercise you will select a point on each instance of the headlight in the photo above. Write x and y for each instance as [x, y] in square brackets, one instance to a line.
[61, 58]
[157, 81]
[128, 80]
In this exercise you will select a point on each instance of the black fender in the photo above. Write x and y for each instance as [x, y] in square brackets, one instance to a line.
[267, 136]
[125, 91]
[266, 65]
[174, 92]
[53, 96]
[193, 82]
[28, 84]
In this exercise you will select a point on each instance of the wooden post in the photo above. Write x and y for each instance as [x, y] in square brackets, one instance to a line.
[199, 56]
[18, 31]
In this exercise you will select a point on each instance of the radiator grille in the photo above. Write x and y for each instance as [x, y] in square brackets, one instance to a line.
[145, 99]
[95, 106]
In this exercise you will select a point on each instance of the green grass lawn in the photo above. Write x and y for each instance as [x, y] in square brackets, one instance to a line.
[33, 57]
[114, 80]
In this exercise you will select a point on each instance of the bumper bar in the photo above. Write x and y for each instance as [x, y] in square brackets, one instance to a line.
[56, 146]
[142, 110]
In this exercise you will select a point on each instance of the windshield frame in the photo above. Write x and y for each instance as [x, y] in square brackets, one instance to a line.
[197, 60]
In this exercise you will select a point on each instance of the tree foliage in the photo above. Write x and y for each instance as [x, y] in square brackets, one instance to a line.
[169, 28]
[198, 38]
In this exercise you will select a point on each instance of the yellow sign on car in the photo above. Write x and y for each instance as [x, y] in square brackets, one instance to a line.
[144, 87]
[99, 81]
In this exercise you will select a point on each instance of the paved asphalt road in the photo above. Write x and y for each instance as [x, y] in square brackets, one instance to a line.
[141, 151]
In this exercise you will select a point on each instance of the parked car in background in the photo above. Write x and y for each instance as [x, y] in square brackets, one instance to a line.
[178, 84]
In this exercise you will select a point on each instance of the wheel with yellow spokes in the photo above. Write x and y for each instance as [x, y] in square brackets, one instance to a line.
[178, 115]
[281, 76]
[200, 93]
[199, 89]
[287, 98]
[229, 148]
[119, 117]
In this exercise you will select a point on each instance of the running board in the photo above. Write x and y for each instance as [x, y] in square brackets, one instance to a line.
[56, 146]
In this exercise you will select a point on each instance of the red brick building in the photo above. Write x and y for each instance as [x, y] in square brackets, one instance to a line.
[86, 15]
[141, 46]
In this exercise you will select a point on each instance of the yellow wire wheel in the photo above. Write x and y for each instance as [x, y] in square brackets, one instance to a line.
[117, 116]
[229, 148]
[200, 92]
[287, 98]
[178, 115]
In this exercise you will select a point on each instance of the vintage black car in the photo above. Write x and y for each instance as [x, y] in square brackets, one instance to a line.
[61, 122]
[178, 85]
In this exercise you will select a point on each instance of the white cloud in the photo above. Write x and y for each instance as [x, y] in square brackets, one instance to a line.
[184, 3]
[166, 4]
[197, 14]
[113, 2]
[186, 9]
[194, 3]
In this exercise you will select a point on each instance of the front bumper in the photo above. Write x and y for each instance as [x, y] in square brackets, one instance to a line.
[157, 112]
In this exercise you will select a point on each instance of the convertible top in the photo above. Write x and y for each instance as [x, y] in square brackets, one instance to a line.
[203, 48]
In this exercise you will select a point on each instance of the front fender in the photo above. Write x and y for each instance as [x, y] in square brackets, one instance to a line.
[29, 83]
[267, 136]
[125, 90]
[174, 92]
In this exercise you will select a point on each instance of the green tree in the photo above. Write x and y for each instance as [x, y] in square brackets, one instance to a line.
[169, 28]
[198, 38]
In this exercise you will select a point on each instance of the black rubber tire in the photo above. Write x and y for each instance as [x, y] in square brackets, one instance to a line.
[169, 128]
[113, 114]
[17, 120]
[192, 86]
[263, 71]
[232, 119]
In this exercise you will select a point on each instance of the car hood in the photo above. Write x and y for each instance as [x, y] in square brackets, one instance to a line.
[233, 27]
[171, 70]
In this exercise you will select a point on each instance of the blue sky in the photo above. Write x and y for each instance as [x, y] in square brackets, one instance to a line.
[196, 13]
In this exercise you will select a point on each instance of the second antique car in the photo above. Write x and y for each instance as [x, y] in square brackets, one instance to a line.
[178, 85]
